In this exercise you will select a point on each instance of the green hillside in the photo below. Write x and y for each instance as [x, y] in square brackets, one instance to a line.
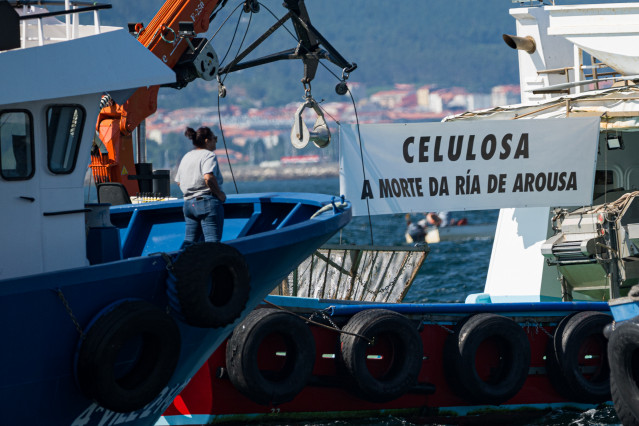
[441, 42]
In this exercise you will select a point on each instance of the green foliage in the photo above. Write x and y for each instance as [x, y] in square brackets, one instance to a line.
[441, 42]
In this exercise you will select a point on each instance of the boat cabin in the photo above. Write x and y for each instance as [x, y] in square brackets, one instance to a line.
[574, 61]
[46, 131]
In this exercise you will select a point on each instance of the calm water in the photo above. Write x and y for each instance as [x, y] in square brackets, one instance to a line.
[452, 270]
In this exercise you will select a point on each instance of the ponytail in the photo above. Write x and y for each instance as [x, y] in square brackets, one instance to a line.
[199, 137]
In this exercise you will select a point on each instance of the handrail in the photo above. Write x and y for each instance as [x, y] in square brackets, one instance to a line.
[60, 12]
[71, 9]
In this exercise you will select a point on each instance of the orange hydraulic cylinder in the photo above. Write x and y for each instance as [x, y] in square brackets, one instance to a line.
[117, 123]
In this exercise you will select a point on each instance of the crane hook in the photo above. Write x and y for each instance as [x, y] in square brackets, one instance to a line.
[300, 135]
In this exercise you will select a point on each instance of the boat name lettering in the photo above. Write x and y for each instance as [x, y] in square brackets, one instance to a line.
[470, 184]
[453, 151]
[198, 11]
[95, 414]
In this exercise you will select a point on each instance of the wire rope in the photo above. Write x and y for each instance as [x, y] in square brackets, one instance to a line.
[248, 25]
[219, 116]
[370, 225]
[361, 156]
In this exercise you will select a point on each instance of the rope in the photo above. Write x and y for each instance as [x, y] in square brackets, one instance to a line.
[234, 34]
[239, 48]
[219, 117]
[361, 156]
[334, 328]
[67, 307]
[277, 19]
[618, 205]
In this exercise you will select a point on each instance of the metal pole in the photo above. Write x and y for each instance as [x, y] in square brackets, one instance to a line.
[141, 134]
[67, 18]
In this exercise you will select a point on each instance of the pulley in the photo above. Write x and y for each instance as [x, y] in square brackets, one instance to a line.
[206, 62]
[301, 136]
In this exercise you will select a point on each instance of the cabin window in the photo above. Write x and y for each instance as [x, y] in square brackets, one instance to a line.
[16, 145]
[64, 131]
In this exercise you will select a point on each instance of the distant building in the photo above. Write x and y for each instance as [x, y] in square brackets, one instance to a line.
[423, 97]
[476, 101]
[505, 95]
[154, 134]
[358, 90]
[435, 103]
[403, 96]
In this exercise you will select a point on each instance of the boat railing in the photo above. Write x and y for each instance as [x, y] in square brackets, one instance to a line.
[34, 17]
[583, 75]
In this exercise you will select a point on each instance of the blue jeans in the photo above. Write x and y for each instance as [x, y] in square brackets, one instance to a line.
[204, 217]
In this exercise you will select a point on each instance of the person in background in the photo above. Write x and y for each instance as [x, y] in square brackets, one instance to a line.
[200, 180]
[433, 219]
[416, 231]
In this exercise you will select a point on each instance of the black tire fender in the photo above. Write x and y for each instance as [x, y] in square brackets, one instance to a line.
[553, 370]
[400, 345]
[575, 337]
[623, 355]
[461, 351]
[138, 333]
[209, 284]
[279, 331]
[621, 407]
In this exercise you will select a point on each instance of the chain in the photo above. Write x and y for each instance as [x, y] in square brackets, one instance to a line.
[448, 330]
[167, 259]
[333, 328]
[322, 315]
[384, 289]
[70, 312]
[537, 327]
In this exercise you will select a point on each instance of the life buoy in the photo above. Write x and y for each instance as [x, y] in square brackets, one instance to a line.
[270, 356]
[209, 284]
[623, 354]
[128, 355]
[577, 361]
[388, 368]
[486, 358]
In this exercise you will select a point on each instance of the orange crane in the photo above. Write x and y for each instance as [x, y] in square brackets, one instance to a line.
[171, 37]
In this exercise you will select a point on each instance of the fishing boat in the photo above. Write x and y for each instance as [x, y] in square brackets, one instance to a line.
[536, 338]
[105, 316]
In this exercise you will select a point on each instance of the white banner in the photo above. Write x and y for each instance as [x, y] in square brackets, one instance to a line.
[474, 165]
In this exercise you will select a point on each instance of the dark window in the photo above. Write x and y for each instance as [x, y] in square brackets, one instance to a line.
[16, 145]
[64, 131]
[604, 177]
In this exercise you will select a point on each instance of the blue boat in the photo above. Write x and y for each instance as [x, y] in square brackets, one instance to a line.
[557, 325]
[104, 317]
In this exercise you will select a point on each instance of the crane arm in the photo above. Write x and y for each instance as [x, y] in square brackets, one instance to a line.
[171, 37]
[116, 123]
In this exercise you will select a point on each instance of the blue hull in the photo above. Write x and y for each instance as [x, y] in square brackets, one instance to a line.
[44, 316]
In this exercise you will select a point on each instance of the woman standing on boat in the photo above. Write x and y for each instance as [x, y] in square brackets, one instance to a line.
[200, 180]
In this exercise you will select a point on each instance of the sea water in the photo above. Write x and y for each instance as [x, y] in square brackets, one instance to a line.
[452, 270]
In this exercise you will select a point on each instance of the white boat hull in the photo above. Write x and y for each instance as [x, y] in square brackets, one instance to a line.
[452, 233]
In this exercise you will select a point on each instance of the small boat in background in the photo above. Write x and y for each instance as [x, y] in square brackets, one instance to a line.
[435, 227]
[436, 234]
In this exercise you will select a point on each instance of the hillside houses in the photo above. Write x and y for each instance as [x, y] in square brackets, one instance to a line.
[263, 134]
